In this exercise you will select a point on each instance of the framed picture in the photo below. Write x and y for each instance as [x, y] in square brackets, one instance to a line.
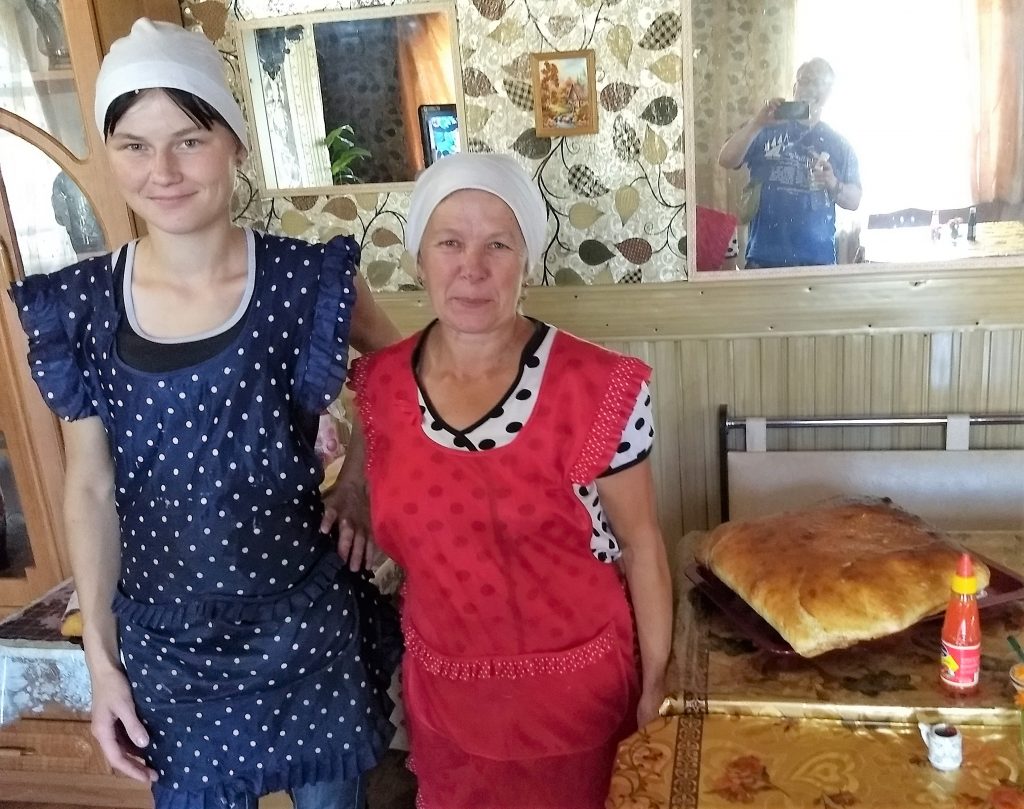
[439, 131]
[564, 93]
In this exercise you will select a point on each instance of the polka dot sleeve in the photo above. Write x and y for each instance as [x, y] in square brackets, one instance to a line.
[326, 363]
[48, 306]
[613, 414]
[637, 437]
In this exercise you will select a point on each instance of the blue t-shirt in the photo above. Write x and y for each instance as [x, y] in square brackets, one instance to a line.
[795, 224]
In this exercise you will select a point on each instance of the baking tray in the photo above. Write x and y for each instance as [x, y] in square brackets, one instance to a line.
[1004, 586]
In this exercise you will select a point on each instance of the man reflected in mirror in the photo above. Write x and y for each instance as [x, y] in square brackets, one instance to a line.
[800, 170]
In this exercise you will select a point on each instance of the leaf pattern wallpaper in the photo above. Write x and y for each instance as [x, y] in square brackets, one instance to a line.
[616, 200]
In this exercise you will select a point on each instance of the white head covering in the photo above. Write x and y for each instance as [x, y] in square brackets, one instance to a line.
[497, 174]
[160, 54]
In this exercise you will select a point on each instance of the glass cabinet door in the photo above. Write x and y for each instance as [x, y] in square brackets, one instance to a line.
[46, 222]
[32, 555]
[36, 79]
[54, 223]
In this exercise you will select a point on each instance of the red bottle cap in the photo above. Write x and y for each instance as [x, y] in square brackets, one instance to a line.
[964, 581]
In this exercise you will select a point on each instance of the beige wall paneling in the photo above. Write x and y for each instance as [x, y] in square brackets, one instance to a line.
[747, 382]
[882, 353]
[697, 445]
[941, 381]
[800, 381]
[1004, 388]
[894, 373]
[973, 371]
[855, 387]
[827, 382]
[670, 449]
[910, 391]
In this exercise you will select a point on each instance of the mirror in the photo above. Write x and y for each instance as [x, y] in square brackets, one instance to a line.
[929, 95]
[346, 99]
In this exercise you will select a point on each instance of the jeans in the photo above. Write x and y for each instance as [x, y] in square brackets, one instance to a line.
[324, 795]
[331, 795]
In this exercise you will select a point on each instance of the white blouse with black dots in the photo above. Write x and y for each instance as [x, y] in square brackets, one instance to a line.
[500, 426]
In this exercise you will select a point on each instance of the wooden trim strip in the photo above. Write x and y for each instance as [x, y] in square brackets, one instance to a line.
[904, 300]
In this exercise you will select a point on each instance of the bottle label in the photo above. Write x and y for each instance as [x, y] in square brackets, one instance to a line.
[961, 665]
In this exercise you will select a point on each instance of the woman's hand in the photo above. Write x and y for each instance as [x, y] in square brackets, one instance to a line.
[650, 700]
[116, 726]
[628, 500]
[347, 507]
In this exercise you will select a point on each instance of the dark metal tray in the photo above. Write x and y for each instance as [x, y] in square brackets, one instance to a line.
[1004, 586]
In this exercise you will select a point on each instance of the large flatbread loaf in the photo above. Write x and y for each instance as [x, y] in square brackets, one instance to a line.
[830, 576]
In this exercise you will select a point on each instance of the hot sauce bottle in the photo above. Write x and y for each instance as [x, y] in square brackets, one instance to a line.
[961, 632]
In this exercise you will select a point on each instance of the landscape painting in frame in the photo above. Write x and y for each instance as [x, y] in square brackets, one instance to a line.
[564, 93]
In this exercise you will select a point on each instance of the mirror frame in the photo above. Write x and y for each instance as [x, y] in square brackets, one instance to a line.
[956, 266]
[242, 45]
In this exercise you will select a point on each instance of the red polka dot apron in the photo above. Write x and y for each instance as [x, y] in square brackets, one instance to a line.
[519, 676]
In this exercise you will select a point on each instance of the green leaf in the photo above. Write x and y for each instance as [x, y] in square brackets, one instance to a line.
[379, 273]
[663, 110]
[531, 146]
[594, 252]
[568, 277]
[343, 152]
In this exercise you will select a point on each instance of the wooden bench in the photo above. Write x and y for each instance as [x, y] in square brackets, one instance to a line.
[954, 488]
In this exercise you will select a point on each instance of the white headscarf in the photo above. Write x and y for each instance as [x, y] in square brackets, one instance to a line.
[160, 54]
[496, 174]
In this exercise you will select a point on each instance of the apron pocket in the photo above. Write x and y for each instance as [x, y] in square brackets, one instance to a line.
[523, 706]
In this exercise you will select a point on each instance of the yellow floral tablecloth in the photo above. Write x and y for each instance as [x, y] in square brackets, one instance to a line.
[724, 762]
[755, 728]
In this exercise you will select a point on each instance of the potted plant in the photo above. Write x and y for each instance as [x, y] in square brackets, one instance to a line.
[343, 151]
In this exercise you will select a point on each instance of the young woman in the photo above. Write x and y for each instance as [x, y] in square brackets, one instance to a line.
[509, 477]
[231, 651]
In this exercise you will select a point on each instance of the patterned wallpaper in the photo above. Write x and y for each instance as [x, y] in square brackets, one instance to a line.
[616, 210]
[742, 55]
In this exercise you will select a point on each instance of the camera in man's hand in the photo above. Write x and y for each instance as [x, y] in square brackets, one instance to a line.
[792, 111]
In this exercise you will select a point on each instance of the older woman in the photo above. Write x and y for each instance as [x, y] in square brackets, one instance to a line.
[508, 472]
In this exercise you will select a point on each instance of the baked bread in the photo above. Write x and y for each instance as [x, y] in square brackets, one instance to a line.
[832, 575]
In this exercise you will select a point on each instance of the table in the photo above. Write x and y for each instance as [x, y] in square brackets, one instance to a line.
[40, 670]
[915, 244]
[749, 727]
[47, 753]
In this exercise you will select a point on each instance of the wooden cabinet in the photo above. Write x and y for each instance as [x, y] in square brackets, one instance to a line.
[56, 761]
[57, 205]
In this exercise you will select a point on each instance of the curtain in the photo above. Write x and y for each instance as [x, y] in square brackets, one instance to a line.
[424, 72]
[999, 113]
